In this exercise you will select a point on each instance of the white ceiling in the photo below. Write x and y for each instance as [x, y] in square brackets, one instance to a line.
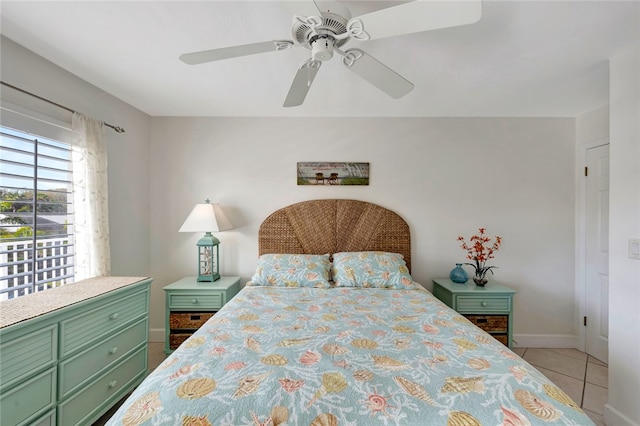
[523, 58]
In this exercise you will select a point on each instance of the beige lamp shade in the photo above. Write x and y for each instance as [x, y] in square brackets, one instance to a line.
[206, 217]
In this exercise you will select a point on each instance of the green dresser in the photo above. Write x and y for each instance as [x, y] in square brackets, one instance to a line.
[69, 354]
[489, 307]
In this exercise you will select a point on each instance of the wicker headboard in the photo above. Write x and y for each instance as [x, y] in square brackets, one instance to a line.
[331, 226]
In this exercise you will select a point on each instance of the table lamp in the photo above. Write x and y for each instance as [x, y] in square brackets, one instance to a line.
[207, 218]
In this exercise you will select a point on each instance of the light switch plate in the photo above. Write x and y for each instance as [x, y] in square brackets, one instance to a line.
[634, 248]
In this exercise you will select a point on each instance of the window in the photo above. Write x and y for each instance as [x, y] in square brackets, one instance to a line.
[36, 214]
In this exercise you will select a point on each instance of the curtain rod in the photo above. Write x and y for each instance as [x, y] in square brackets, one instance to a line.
[116, 128]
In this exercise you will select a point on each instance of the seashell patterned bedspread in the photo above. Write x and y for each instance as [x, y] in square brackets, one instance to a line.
[344, 356]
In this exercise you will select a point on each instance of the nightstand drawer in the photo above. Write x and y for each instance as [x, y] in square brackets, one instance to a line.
[491, 323]
[176, 339]
[483, 304]
[188, 320]
[197, 300]
[502, 338]
[78, 369]
[83, 329]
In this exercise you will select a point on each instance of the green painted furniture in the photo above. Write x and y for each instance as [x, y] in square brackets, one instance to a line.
[191, 303]
[68, 354]
[489, 307]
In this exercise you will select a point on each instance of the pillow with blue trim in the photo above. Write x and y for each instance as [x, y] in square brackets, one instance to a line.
[372, 269]
[292, 270]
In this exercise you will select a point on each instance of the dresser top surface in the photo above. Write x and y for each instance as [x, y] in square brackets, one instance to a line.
[34, 305]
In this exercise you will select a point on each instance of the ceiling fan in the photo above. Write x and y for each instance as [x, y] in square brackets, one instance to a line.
[325, 27]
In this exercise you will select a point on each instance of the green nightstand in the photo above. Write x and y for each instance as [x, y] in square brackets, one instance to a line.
[191, 303]
[489, 307]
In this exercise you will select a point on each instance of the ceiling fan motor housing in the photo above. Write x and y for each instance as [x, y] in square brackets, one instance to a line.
[322, 47]
[332, 25]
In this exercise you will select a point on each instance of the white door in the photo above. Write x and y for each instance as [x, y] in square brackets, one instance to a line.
[597, 253]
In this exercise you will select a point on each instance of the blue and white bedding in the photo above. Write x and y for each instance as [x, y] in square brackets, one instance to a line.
[344, 356]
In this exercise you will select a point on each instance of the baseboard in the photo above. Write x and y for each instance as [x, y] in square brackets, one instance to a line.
[545, 341]
[156, 335]
[613, 417]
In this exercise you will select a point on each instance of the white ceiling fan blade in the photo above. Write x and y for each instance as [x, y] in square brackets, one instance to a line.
[377, 73]
[417, 16]
[302, 82]
[234, 51]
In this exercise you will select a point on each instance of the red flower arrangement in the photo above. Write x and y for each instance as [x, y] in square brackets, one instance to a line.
[480, 249]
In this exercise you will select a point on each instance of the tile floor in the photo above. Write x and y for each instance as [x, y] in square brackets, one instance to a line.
[581, 376]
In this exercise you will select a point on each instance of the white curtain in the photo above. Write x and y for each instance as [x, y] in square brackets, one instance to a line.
[90, 198]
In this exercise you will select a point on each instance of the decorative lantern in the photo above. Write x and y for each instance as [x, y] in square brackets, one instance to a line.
[208, 258]
[207, 218]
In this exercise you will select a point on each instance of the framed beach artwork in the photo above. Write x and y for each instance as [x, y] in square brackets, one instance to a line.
[331, 173]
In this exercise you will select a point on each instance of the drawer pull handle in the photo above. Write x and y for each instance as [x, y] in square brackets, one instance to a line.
[484, 304]
[114, 316]
[194, 301]
[112, 384]
[113, 350]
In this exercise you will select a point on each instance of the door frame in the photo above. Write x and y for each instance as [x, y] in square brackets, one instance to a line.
[581, 240]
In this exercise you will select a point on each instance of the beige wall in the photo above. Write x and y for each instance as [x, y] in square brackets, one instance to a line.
[128, 152]
[445, 176]
[624, 213]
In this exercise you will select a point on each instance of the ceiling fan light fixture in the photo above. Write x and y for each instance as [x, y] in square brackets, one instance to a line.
[322, 48]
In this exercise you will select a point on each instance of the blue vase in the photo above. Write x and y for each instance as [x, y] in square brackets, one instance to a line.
[458, 275]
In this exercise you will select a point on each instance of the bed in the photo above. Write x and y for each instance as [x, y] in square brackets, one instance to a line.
[332, 330]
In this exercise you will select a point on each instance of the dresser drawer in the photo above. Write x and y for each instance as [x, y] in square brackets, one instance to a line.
[27, 354]
[483, 304]
[84, 405]
[209, 301]
[188, 320]
[75, 371]
[93, 324]
[29, 400]
[48, 419]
